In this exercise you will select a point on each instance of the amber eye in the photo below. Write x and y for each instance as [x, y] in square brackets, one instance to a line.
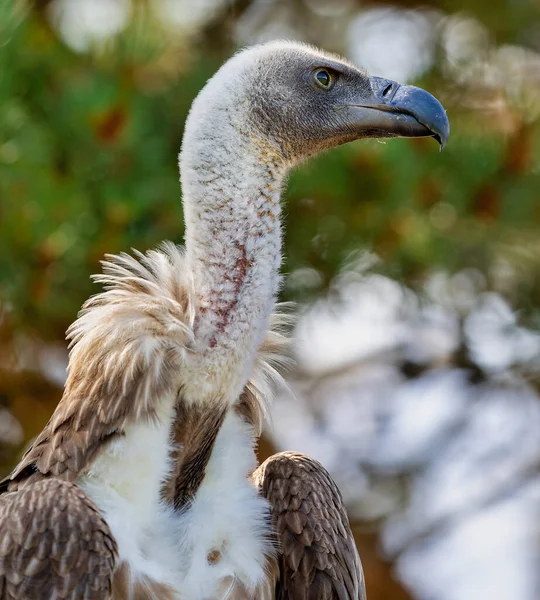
[323, 79]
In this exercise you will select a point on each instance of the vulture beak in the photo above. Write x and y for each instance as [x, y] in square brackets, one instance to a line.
[401, 111]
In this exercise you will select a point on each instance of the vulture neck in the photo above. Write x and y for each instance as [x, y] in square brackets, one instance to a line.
[231, 186]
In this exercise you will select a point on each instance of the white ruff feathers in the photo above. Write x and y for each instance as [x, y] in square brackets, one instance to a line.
[144, 321]
[138, 329]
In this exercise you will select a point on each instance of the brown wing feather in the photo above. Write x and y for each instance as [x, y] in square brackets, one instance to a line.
[127, 347]
[317, 555]
[54, 544]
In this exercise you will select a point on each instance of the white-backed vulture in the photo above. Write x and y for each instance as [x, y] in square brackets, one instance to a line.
[144, 483]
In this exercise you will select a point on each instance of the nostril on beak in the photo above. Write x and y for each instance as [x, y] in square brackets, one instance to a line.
[387, 90]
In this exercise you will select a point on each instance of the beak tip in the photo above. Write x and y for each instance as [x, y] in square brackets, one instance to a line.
[444, 131]
[426, 109]
[442, 136]
[442, 139]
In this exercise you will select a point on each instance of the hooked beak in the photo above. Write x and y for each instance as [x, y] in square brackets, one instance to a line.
[396, 110]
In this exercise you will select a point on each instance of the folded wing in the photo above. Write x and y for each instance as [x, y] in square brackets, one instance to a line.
[54, 544]
[317, 556]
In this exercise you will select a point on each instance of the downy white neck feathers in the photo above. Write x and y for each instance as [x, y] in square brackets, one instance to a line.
[231, 184]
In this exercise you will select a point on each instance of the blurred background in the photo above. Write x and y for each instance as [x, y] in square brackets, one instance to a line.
[417, 274]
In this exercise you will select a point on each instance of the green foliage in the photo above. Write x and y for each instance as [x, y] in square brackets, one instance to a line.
[88, 146]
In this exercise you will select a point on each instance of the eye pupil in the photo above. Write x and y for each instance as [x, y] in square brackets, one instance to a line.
[323, 78]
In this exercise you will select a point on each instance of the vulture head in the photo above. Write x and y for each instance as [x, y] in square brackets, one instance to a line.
[293, 100]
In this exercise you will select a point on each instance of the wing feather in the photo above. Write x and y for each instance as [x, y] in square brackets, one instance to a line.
[127, 347]
[54, 544]
[318, 558]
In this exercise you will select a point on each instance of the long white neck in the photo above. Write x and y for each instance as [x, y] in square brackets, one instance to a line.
[231, 193]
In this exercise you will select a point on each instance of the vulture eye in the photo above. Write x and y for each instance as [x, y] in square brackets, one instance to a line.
[324, 79]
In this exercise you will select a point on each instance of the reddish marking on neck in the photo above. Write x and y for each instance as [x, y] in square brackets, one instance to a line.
[238, 277]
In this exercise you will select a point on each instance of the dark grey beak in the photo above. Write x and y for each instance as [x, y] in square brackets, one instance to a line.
[401, 111]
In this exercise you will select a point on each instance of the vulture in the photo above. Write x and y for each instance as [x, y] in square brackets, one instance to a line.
[144, 483]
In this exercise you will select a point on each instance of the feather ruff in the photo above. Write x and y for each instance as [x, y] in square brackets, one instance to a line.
[127, 351]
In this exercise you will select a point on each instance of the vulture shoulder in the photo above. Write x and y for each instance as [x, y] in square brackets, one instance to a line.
[54, 543]
[317, 555]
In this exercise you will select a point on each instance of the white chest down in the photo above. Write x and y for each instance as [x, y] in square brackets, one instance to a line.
[199, 553]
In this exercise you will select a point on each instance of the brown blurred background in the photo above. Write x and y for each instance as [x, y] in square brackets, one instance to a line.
[418, 273]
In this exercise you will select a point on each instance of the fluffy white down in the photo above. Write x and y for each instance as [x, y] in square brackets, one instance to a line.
[125, 483]
[227, 515]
